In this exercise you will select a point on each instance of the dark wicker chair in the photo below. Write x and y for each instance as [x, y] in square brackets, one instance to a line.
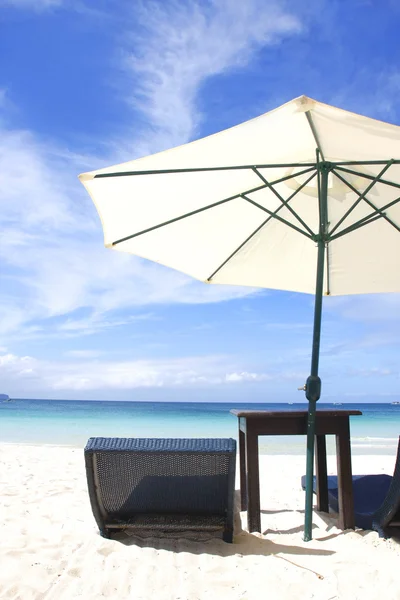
[376, 500]
[155, 486]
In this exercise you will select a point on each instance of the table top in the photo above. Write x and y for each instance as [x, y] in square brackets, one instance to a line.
[257, 414]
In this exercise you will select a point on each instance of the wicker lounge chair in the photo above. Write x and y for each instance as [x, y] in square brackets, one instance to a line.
[376, 500]
[157, 486]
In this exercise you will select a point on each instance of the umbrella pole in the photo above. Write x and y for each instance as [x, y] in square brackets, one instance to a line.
[313, 384]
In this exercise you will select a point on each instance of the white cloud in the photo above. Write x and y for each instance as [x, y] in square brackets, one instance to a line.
[53, 260]
[37, 190]
[245, 376]
[181, 44]
[91, 373]
[25, 376]
[52, 254]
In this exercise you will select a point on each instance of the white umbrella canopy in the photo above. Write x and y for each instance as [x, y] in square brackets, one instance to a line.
[303, 198]
[265, 251]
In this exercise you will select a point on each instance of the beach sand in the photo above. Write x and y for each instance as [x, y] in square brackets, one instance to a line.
[50, 548]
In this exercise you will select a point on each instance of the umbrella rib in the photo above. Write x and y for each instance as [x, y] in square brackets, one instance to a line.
[290, 177]
[275, 216]
[366, 162]
[239, 248]
[366, 176]
[256, 231]
[284, 202]
[371, 204]
[377, 214]
[366, 221]
[194, 212]
[189, 214]
[362, 196]
[200, 169]
[314, 132]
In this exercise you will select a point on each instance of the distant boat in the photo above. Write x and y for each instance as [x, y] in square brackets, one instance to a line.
[395, 402]
[338, 403]
[290, 402]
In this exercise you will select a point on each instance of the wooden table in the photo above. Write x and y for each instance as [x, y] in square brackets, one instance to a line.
[253, 423]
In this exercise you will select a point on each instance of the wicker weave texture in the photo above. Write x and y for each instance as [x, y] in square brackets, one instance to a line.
[149, 481]
[161, 444]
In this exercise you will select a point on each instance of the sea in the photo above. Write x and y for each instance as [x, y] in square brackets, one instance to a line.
[72, 422]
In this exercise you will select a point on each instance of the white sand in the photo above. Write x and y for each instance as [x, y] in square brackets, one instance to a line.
[50, 548]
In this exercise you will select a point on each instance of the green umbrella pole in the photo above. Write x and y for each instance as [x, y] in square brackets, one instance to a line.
[313, 384]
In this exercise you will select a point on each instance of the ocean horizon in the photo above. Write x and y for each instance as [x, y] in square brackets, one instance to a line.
[72, 422]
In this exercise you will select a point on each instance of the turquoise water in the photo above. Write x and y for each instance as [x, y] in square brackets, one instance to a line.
[71, 422]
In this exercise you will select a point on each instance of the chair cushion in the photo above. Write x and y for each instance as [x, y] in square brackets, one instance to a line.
[369, 493]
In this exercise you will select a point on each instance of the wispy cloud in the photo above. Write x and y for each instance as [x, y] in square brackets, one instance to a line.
[53, 259]
[181, 44]
[246, 376]
[26, 375]
[91, 370]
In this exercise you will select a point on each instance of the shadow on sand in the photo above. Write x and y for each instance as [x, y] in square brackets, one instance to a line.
[245, 544]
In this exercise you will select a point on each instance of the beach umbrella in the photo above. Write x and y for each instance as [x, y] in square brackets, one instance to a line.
[303, 198]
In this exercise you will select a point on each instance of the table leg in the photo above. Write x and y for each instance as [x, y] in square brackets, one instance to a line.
[243, 474]
[345, 482]
[253, 482]
[321, 473]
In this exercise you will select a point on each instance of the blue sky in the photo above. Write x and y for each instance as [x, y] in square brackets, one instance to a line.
[89, 84]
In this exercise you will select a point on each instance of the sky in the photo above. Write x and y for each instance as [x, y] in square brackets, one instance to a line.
[87, 84]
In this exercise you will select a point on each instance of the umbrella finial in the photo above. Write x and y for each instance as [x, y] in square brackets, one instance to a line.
[304, 103]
